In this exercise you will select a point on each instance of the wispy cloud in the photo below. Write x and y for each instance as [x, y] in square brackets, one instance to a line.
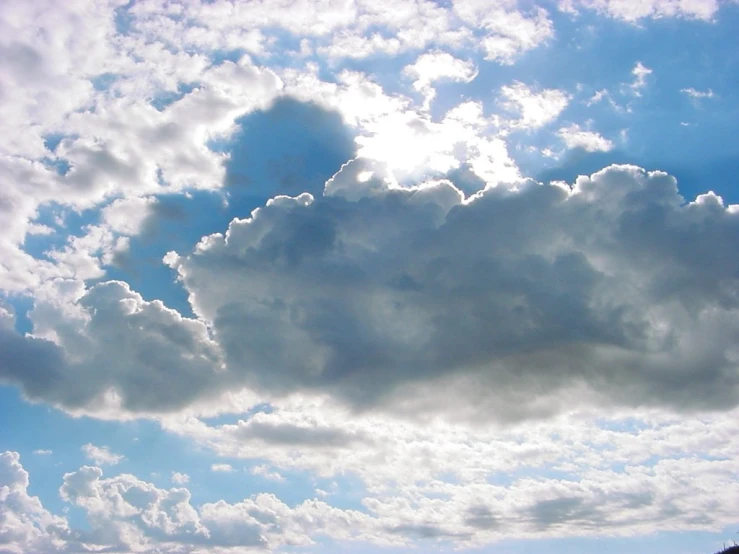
[101, 455]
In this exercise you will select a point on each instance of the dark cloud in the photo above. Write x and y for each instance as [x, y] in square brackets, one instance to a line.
[481, 517]
[283, 433]
[512, 305]
[617, 286]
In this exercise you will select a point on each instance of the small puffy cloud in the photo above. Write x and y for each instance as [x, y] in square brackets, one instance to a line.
[101, 455]
[434, 66]
[222, 468]
[598, 96]
[438, 66]
[640, 73]
[42, 452]
[697, 94]
[266, 472]
[590, 141]
[180, 478]
[536, 107]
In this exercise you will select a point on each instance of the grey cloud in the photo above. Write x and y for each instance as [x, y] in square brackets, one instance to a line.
[481, 517]
[285, 433]
[547, 513]
[511, 305]
[150, 357]
[618, 286]
[426, 531]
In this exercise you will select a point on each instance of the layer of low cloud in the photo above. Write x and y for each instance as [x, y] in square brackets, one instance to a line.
[624, 474]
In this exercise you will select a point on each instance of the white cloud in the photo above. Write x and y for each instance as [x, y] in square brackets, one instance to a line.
[101, 455]
[27, 527]
[640, 73]
[625, 473]
[264, 471]
[697, 94]
[635, 10]
[221, 468]
[536, 107]
[426, 290]
[508, 31]
[43, 452]
[180, 478]
[590, 141]
[598, 96]
[431, 67]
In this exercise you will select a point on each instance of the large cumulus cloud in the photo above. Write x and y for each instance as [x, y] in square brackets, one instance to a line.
[508, 304]
[615, 285]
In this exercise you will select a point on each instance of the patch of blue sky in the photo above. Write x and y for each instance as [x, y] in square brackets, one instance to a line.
[345, 491]
[630, 425]
[290, 148]
[65, 222]
[124, 18]
[217, 57]
[104, 81]
[52, 140]
[232, 419]
[59, 165]
[163, 99]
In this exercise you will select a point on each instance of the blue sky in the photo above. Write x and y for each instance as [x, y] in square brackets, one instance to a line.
[311, 276]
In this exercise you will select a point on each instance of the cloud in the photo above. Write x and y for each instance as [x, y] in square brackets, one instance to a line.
[697, 94]
[625, 473]
[640, 73]
[590, 141]
[537, 108]
[431, 67]
[508, 32]
[221, 468]
[41, 452]
[325, 311]
[26, 525]
[101, 455]
[560, 295]
[635, 10]
[180, 478]
[264, 471]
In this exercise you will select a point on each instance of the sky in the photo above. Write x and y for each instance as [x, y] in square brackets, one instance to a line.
[351, 276]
